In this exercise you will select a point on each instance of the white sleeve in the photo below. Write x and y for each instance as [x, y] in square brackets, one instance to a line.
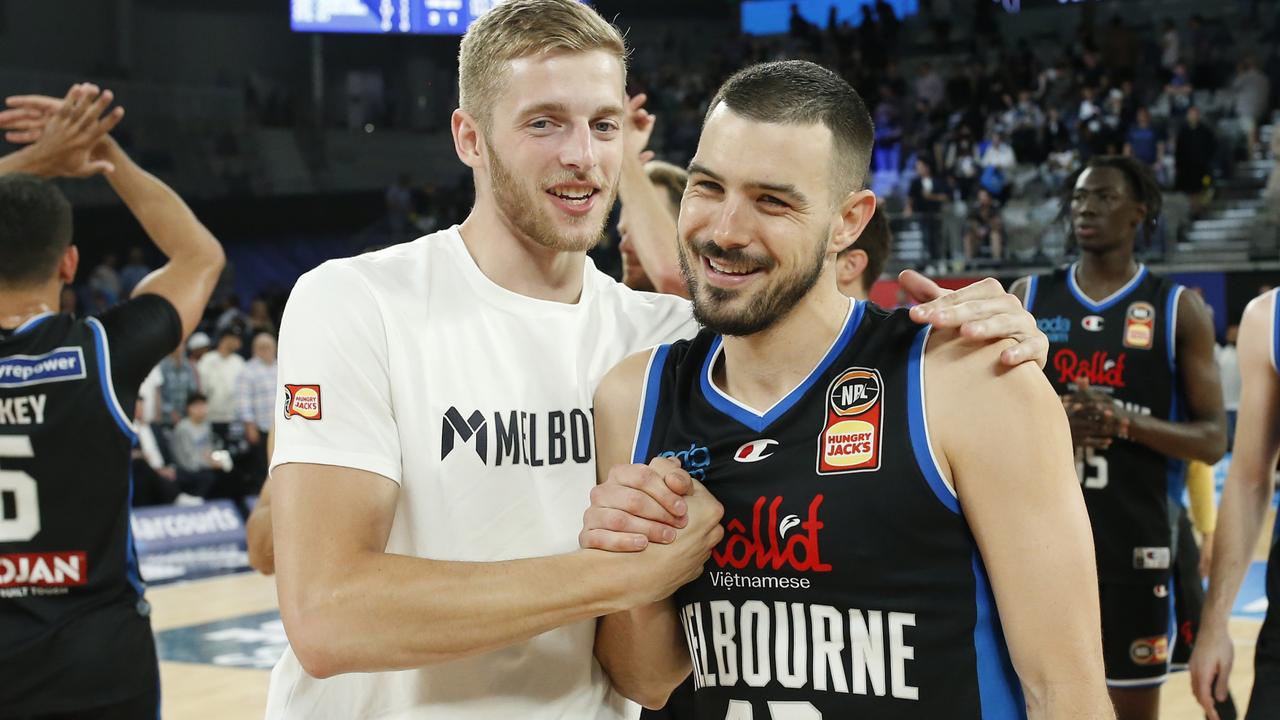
[334, 401]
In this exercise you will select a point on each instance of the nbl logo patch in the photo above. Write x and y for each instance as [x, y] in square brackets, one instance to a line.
[851, 438]
[1139, 326]
[302, 401]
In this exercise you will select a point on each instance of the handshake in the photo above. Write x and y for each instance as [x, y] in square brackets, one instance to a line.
[665, 521]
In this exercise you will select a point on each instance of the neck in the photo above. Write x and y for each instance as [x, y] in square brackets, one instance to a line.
[760, 369]
[1106, 271]
[517, 263]
[18, 306]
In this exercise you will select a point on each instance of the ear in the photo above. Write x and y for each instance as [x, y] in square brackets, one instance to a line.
[855, 213]
[68, 264]
[850, 266]
[1140, 213]
[468, 139]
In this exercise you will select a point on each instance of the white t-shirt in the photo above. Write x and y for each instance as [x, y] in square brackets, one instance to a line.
[218, 376]
[148, 395]
[477, 401]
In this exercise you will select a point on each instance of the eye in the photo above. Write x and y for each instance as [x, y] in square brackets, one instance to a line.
[771, 200]
[540, 124]
[707, 185]
[606, 126]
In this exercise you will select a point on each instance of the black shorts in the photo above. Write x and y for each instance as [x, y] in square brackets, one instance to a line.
[1264, 703]
[1137, 630]
[143, 707]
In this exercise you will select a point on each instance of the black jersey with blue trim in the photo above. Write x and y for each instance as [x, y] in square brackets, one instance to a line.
[1125, 345]
[848, 583]
[72, 613]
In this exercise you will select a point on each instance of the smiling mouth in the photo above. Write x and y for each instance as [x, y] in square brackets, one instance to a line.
[576, 196]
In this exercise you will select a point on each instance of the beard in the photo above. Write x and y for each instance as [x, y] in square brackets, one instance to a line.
[519, 206]
[712, 305]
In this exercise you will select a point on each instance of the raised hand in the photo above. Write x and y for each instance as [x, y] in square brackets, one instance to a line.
[74, 137]
[24, 120]
[982, 311]
[638, 127]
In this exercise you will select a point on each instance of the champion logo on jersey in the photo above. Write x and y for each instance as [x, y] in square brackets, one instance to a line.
[302, 401]
[755, 451]
[851, 439]
[1139, 326]
[1092, 323]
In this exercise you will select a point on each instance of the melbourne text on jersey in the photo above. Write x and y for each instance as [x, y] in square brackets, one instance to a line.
[518, 437]
[800, 646]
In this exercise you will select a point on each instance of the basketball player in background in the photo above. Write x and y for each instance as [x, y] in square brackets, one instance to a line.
[878, 599]
[1132, 358]
[77, 637]
[1245, 499]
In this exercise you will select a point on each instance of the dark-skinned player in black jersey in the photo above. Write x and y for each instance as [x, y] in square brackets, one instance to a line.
[1131, 354]
[883, 554]
[76, 628]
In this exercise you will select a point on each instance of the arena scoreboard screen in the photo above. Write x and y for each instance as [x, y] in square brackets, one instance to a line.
[387, 17]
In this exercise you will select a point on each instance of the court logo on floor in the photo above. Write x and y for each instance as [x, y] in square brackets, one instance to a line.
[250, 641]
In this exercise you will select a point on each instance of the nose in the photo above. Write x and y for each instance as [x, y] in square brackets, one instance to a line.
[730, 229]
[578, 153]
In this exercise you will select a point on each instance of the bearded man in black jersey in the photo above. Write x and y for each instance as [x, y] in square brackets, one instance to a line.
[848, 583]
[77, 637]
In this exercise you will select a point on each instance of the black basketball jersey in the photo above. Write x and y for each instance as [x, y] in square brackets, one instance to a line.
[848, 583]
[1125, 346]
[72, 613]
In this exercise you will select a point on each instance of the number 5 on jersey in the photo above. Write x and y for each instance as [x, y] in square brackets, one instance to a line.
[19, 501]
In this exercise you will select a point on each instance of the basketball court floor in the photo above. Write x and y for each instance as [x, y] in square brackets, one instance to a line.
[219, 638]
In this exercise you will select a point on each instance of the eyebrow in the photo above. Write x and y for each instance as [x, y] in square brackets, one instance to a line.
[780, 188]
[557, 108]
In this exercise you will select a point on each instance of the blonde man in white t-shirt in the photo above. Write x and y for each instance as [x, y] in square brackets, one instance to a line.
[434, 438]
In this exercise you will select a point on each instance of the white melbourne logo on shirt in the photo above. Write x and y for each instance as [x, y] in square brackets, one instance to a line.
[518, 437]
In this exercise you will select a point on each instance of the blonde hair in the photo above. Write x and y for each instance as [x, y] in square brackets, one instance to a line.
[521, 28]
[670, 178]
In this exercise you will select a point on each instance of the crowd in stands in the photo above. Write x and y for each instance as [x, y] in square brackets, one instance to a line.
[205, 413]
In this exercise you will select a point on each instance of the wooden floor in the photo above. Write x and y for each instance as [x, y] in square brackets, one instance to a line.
[199, 691]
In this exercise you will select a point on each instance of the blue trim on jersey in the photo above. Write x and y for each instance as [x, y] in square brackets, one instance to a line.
[104, 379]
[758, 422]
[1176, 470]
[1171, 319]
[31, 323]
[1030, 300]
[132, 572]
[652, 383]
[1275, 331]
[1108, 302]
[918, 424]
[999, 689]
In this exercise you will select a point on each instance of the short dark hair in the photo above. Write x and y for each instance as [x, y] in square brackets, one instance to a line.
[876, 241]
[1141, 181]
[798, 92]
[196, 397]
[35, 229]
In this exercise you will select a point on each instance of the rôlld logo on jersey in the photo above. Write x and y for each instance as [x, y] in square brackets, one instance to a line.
[766, 544]
[55, 569]
[302, 401]
[1140, 326]
[755, 451]
[850, 440]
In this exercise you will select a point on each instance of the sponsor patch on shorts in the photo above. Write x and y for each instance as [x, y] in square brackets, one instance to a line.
[1150, 651]
[1151, 558]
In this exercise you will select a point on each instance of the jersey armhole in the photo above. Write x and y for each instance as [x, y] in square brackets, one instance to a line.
[648, 404]
[1171, 312]
[918, 425]
[1030, 300]
[103, 349]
